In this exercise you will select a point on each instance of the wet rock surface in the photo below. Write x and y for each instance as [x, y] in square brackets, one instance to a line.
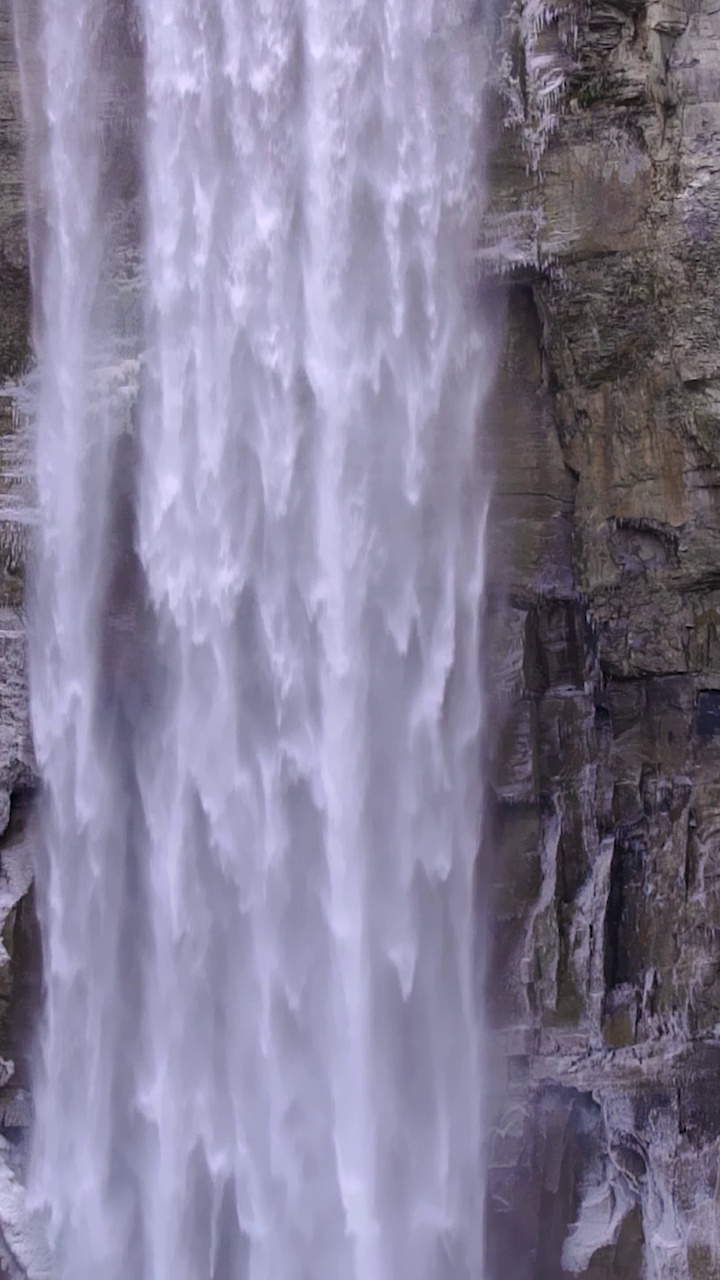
[14, 274]
[19, 940]
[606, 789]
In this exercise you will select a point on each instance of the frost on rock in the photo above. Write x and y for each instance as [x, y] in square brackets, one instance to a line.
[604, 1206]
[538, 56]
[24, 1251]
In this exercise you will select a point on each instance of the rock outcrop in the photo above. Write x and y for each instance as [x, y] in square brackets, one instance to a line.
[606, 846]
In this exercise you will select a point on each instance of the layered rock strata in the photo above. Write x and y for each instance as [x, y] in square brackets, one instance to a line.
[606, 789]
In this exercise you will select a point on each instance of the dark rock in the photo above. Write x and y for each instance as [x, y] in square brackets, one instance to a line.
[606, 545]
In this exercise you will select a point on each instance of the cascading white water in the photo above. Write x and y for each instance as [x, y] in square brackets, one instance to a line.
[255, 652]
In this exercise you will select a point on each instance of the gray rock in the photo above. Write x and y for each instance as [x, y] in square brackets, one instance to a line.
[605, 847]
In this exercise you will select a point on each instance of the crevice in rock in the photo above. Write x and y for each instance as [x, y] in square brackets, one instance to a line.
[707, 714]
[623, 961]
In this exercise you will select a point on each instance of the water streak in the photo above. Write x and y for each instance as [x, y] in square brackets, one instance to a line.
[255, 658]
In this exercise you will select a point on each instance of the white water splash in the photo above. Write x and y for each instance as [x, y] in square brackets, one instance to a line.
[256, 647]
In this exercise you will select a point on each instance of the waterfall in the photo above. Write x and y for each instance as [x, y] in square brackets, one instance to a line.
[255, 635]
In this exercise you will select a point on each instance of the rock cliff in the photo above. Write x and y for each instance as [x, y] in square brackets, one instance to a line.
[19, 947]
[605, 228]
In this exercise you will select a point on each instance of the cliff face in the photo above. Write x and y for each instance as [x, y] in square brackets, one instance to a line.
[606, 845]
[14, 278]
[19, 948]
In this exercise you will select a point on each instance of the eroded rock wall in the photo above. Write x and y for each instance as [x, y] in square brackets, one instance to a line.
[19, 945]
[606, 847]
